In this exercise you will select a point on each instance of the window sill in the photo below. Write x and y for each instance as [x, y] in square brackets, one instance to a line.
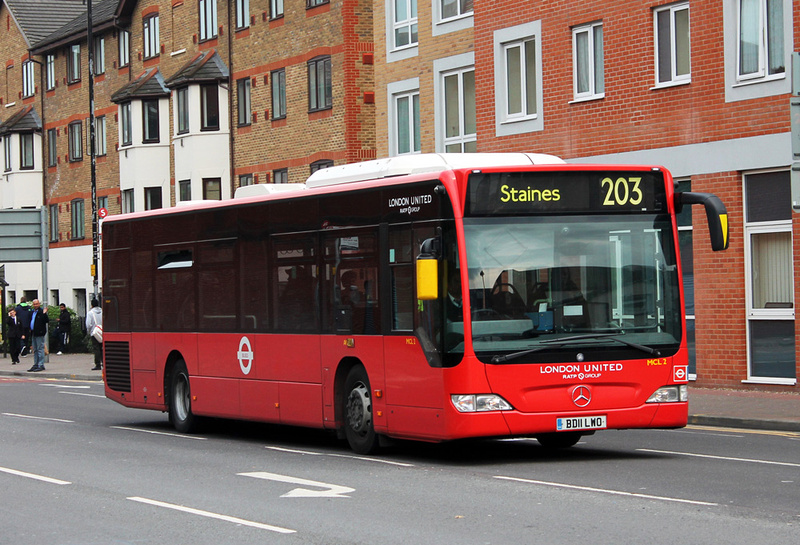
[519, 119]
[756, 81]
[773, 381]
[669, 84]
[587, 99]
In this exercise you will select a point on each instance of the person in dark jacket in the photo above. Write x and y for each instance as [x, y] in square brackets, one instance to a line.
[39, 321]
[24, 316]
[64, 327]
[16, 335]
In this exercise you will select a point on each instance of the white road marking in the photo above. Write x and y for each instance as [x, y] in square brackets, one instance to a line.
[82, 394]
[182, 436]
[366, 459]
[39, 418]
[33, 476]
[606, 491]
[209, 514]
[66, 386]
[728, 458]
[331, 490]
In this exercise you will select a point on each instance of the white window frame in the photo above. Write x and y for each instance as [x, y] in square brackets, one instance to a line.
[50, 71]
[75, 135]
[7, 152]
[126, 124]
[763, 46]
[444, 25]
[753, 228]
[74, 64]
[458, 66]
[506, 125]
[244, 112]
[28, 79]
[275, 9]
[395, 91]
[150, 37]
[592, 92]
[99, 55]
[100, 147]
[393, 51]
[672, 47]
[242, 14]
[124, 48]
[207, 10]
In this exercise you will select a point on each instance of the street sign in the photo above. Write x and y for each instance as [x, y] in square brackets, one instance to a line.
[21, 235]
[102, 213]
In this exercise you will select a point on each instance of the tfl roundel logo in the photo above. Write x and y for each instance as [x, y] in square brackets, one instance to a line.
[581, 396]
[680, 373]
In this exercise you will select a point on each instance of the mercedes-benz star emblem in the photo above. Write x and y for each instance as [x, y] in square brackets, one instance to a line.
[581, 396]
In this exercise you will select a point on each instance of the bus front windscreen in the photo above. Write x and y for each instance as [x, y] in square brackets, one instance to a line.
[546, 288]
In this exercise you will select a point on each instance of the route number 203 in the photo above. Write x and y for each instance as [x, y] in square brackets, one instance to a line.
[623, 192]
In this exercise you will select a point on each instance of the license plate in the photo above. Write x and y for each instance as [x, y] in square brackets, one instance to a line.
[581, 423]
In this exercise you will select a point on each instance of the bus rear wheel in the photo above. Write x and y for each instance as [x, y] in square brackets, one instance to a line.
[558, 440]
[357, 412]
[180, 400]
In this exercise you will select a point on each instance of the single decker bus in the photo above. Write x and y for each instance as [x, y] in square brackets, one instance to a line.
[430, 297]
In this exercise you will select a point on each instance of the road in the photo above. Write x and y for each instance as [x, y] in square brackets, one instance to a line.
[77, 468]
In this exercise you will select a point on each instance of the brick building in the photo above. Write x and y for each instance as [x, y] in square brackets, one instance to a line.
[699, 87]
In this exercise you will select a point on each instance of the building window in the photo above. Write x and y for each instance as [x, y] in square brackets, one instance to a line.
[587, 62]
[243, 92]
[278, 82]
[315, 3]
[275, 9]
[99, 55]
[150, 121]
[124, 48]
[52, 148]
[99, 136]
[280, 176]
[320, 88]
[50, 71]
[182, 98]
[125, 123]
[518, 79]
[75, 141]
[208, 19]
[150, 36]
[407, 123]
[77, 219]
[184, 190]
[102, 202]
[770, 279]
[460, 126]
[53, 223]
[212, 189]
[7, 152]
[28, 80]
[404, 23]
[127, 201]
[242, 13]
[152, 198]
[245, 180]
[760, 39]
[74, 64]
[26, 151]
[209, 104]
[455, 8]
[319, 165]
[673, 54]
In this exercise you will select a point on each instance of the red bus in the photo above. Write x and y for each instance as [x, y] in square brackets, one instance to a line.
[427, 297]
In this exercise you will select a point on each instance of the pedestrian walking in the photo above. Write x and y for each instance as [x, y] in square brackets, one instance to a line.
[94, 325]
[63, 329]
[38, 327]
[16, 335]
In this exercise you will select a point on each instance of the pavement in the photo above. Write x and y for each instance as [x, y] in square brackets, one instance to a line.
[761, 410]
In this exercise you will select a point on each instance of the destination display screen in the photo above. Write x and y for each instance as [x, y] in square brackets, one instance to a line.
[602, 192]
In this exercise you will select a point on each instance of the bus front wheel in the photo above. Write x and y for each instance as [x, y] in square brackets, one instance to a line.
[357, 412]
[180, 400]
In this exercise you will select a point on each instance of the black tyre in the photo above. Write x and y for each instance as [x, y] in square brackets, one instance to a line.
[357, 412]
[558, 440]
[180, 400]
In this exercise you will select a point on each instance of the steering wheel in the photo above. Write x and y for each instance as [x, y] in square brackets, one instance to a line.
[507, 302]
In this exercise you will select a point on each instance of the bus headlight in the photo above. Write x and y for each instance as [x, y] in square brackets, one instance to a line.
[470, 403]
[670, 394]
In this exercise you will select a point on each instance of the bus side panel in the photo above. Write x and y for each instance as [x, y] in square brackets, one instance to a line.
[215, 396]
[260, 400]
[410, 380]
[301, 404]
[294, 358]
[143, 352]
[231, 356]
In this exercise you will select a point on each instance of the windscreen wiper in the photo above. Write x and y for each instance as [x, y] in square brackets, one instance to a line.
[563, 341]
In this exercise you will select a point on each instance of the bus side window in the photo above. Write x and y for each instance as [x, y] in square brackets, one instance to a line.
[296, 286]
[401, 277]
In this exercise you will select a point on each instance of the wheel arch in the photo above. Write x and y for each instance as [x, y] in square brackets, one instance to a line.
[169, 368]
[342, 369]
